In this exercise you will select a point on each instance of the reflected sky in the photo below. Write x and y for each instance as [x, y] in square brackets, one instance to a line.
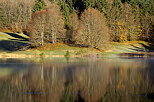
[77, 80]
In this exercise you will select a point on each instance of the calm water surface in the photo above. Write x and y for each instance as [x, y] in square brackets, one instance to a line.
[77, 80]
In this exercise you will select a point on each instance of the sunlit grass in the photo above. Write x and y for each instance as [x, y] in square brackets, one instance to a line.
[4, 36]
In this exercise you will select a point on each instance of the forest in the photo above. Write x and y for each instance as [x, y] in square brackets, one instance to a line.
[89, 23]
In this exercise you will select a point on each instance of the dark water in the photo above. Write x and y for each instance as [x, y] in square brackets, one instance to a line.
[77, 80]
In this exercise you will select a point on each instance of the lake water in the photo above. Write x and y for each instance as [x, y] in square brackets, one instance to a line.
[77, 80]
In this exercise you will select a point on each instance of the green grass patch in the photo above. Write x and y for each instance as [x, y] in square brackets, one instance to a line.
[4, 36]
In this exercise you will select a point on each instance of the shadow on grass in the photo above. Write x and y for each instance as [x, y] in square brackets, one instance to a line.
[17, 39]
[16, 36]
[145, 48]
[145, 51]
[6, 45]
[138, 49]
[149, 48]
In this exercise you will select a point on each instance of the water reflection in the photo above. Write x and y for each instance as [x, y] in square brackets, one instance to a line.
[79, 80]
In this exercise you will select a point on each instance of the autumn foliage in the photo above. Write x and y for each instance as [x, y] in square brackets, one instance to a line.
[93, 31]
[15, 13]
[47, 25]
[89, 23]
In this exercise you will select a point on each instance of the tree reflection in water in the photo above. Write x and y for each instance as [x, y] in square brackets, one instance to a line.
[80, 80]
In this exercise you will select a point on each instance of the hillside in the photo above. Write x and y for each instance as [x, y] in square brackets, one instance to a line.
[11, 43]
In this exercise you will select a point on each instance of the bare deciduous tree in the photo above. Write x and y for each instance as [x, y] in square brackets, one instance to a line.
[74, 21]
[73, 26]
[16, 13]
[47, 25]
[147, 23]
[93, 31]
[55, 23]
[37, 26]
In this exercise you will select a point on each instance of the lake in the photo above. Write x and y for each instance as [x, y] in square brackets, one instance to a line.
[77, 80]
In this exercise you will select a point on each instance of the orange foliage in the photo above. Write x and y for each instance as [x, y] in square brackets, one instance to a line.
[5, 30]
[34, 15]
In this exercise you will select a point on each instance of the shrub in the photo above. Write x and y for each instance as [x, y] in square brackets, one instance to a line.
[67, 54]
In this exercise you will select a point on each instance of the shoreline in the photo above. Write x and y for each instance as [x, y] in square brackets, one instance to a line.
[33, 56]
[137, 54]
[126, 55]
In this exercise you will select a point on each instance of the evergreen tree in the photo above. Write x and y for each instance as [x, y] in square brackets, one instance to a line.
[39, 5]
[103, 6]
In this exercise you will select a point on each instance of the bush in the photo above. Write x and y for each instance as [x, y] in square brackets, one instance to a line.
[67, 54]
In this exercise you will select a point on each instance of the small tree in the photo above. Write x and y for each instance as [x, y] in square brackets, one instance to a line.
[93, 31]
[47, 25]
[37, 27]
[147, 23]
[74, 21]
[73, 26]
[55, 23]
[115, 14]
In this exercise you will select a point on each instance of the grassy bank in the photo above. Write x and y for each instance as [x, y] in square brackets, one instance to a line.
[63, 50]
[10, 42]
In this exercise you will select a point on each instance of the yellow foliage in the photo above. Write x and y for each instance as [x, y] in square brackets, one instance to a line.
[122, 31]
[135, 31]
[119, 23]
[123, 37]
[127, 32]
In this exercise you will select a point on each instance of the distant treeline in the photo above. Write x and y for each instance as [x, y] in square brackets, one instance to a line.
[84, 22]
